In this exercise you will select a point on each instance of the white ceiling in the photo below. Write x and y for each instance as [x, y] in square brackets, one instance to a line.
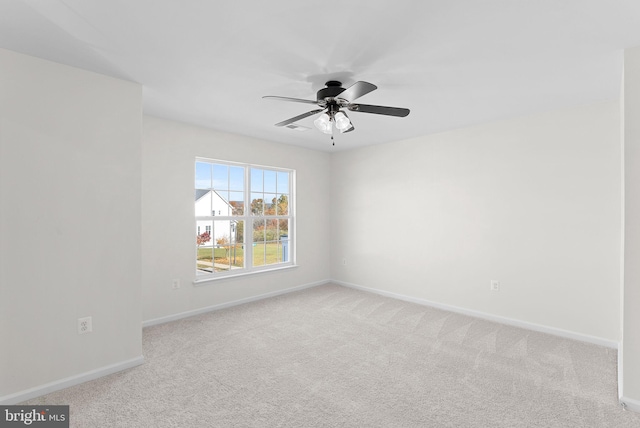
[454, 63]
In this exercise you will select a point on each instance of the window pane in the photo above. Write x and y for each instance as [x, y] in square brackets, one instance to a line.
[220, 177]
[236, 200]
[283, 182]
[219, 203]
[204, 262]
[284, 240]
[203, 203]
[227, 249]
[237, 232]
[258, 242]
[235, 256]
[258, 254]
[257, 204]
[271, 253]
[271, 247]
[283, 228]
[203, 175]
[221, 240]
[270, 181]
[258, 231]
[220, 259]
[270, 202]
[236, 178]
[221, 232]
[283, 205]
[256, 180]
[271, 230]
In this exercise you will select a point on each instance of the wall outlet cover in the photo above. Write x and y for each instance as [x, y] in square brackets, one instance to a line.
[85, 325]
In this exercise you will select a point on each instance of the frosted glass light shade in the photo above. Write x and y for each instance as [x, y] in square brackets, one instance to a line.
[342, 121]
[323, 123]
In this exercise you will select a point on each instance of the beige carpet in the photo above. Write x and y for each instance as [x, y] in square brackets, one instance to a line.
[336, 357]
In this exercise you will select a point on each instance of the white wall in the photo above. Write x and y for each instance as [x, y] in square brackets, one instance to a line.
[534, 203]
[631, 311]
[169, 150]
[69, 164]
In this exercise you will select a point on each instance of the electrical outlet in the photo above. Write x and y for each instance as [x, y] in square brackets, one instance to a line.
[495, 285]
[85, 325]
[176, 284]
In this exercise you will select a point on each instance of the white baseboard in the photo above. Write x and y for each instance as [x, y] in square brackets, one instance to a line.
[629, 404]
[489, 317]
[175, 317]
[620, 371]
[47, 388]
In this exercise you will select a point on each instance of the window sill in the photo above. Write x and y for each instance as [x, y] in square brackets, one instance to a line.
[202, 281]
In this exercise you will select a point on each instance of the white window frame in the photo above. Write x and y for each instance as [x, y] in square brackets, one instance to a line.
[248, 217]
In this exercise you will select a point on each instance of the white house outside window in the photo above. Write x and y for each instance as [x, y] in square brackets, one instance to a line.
[244, 218]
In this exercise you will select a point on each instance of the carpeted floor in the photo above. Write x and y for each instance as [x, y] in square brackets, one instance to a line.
[331, 356]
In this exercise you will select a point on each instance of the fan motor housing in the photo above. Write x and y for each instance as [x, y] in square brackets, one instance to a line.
[333, 89]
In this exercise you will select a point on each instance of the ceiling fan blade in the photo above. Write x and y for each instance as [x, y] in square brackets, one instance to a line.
[387, 111]
[297, 118]
[297, 100]
[356, 90]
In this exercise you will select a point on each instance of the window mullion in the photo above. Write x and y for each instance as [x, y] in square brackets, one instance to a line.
[248, 224]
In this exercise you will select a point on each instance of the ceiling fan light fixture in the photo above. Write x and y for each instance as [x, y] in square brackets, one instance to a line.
[331, 100]
[323, 123]
[342, 121]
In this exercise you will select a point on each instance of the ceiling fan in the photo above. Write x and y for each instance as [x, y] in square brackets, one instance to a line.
[333, 100]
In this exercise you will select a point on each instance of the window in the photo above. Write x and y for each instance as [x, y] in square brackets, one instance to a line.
[247, 217]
